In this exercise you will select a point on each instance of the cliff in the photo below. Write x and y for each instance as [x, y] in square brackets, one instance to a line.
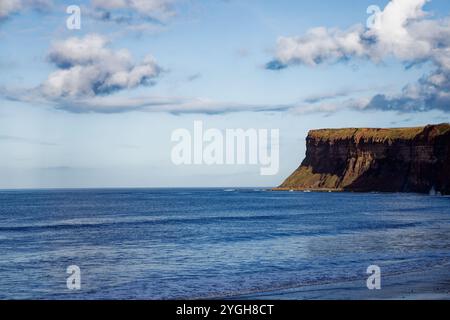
[385, 160]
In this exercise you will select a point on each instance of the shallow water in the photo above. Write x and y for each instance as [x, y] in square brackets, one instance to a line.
[210, 243]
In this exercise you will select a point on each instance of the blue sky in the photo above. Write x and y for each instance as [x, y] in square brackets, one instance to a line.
[208, 56]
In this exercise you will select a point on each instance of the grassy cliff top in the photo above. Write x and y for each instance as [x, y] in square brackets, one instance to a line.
[377, 133]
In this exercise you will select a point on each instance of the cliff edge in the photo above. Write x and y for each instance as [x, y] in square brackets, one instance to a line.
[384, 160]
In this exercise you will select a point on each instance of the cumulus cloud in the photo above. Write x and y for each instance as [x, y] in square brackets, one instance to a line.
[400, 30]
[88, 67]
[90, 77]
[318, 45]
[403, 30]
[10, 7]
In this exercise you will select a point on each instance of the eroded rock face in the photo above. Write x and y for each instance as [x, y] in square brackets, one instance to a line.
[385, 160]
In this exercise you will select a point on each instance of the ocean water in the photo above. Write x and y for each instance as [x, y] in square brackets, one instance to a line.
[210, 243]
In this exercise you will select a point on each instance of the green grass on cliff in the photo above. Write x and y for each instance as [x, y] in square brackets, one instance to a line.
[443, 128]
[376, 134]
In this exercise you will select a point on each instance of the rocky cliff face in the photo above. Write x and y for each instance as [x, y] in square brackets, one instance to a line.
[385, 160]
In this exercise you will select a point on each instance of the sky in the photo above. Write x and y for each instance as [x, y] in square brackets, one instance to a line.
[96, 106]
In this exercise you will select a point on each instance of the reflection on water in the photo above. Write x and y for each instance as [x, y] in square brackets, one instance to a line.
[199, 243]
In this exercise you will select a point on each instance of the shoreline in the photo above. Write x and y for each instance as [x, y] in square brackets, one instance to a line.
[430, 284]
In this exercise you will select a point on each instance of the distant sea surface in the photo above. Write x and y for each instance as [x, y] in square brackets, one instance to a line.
[210, 243]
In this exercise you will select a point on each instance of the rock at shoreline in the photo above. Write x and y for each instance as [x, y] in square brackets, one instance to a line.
[383, 160]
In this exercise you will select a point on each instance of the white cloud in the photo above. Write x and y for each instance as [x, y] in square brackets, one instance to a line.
[402, 30]
[119, 102]
[92, 78]
[320, 45]
[88, 67]
[159, 10]
[9, 7]
[140, 15]
[174, 105]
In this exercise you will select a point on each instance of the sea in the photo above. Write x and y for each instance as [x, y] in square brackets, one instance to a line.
[210, 243]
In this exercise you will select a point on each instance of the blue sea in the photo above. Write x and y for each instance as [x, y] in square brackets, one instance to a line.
[210, 243]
